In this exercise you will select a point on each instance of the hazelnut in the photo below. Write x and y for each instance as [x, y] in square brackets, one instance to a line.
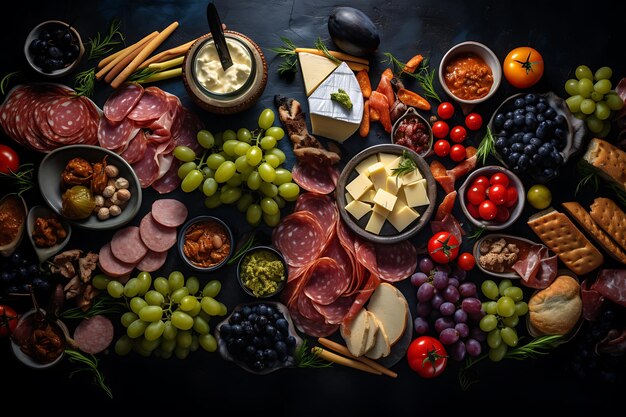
[99, 202]
[111, 182]
[217, 241]
[108, 203]
[121, 183]
[108, 191]
[112, 171]
[115, 210]
[115, 200]
[123, 195]
[103, 213]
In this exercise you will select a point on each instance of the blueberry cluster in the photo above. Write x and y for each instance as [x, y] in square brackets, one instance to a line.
[17, 272]
[531, 135]
[258, 335]
[54, 49]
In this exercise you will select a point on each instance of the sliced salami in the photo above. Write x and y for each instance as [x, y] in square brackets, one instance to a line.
[112, 266]
[127, 245]
[152, 261]
[136, 148]
[396, 261]
[152, 104]
[169, 212]
[314, 179]
[365, 254]
[335, 312]
[122, 101]
[115, 136]
[94, 335]
[168, 182]
[315, 328]
[68, 116]
[327, 283]
[147, 168]
[155, 236]
[299, 237]
[322, 208]
[362, 297]
[306, 308]
[335, 251]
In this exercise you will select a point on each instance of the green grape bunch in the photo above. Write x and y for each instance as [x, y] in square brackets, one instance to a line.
[243, 168]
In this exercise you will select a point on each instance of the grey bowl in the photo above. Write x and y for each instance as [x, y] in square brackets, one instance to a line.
[280, 257]
[495, 236]
[181, 242]
[52, 24]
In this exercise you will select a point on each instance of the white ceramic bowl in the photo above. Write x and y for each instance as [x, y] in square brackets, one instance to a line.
[45, 253]
[411, 113]
[27, 360]
[34, 34]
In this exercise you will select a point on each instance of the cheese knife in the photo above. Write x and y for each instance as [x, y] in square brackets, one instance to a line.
[218, 36]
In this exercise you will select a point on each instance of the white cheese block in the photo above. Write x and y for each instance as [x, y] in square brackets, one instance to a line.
[381, 210]
[385, 199]
[373, 332]
[387, 158]
[378, 175]
[393, 185]
[368, 196]
[415, 194]
[403, 216]
[358, 209]
[349, 198]
[356, 334]
[411, 177]
[315, 69]
[358, 186]
[363, 166]
[329, 118]
[375, 223]
[391, 309]
[393, 165]
[381, 347]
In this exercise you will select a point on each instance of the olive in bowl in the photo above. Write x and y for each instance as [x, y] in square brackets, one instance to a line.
[205, 243]
[53, 48]
[262, 272]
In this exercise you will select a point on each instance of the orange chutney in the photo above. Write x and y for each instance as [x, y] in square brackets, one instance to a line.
[11, 219]
[468, 77]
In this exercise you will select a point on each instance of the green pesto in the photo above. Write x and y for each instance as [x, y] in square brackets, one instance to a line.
[262, 272]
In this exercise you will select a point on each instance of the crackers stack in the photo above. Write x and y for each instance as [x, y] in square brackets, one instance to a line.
[609, 160]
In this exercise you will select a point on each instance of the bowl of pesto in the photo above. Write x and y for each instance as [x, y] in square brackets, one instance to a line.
[262, 272]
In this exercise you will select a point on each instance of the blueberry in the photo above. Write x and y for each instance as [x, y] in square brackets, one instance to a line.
[262, 310]
[548, 172]
[246, 311]
[541, 118]
[270, 330]
[530, 98]
[505, 152]
[257, 341]
[550, 113]
[513, 157]
[277, 316]
[13, 289]
[249, 351]
[519, 120]
[258, 366]
[519, 103]
[498, 121]
[536, 142]
[541, 107]
[542, 100]
[523, 161]
[280, 335]
[231, 344]
[530, 150]
[236, 318]
[261, 321]
[508, 124]
[253, 317]
[33, 269]
[22, 272]
[542, 130]
[518, 111]
[269, 311]
[237, 330]
[270, 354]
[500, 143]
[560, 120]
[248, 329]
[558, 159]
[536, 159]
[16, 258]
[282, 324]
[560, 133]
[517, 137]
[225, 329]
[527, 137]
[24, 288]
[291, 341]
[517, 147]
[281, 347]
[531, 121]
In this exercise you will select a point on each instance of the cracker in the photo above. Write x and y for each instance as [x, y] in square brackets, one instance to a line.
[558, 232]
[586, 222]
[610, 218]
[608, 159]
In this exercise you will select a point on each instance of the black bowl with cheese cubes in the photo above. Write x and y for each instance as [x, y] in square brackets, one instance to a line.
[386, 193]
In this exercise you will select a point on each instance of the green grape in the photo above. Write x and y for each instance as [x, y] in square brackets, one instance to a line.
[212, 288]
[245, 174]
[603, 73]
[277, 152]
[253, 214]
[241, 163]
[272, 160]
[183, 339]
[145, 281]
[490, 289]
[497, 354]
[488, 323]
[512, 321]
[595, 96]
[136, 304]
[614, 102]
[280, 201]
[506, 306]
[151, 313]
[124, 345]
[208, 172]
[244, 202]
[205, 139]
[223, 309]
[602, 110]
[269, 206]
[141, 351]
[602, 86]
[289, 191]
[241, 148]
[271, 220]
[490, 307]
[254, 155]
[185, 169]
[209, 187]
[229, 146]
[175, 280]
[276, 132]
[194, 343]
[200, 325]
[268, 189]
[169, 331]
[184, 153]
[154, 330]
[244, 135]
[188, 303]
[571, 87]
[100, 281]
[585, 87]
[168, 345]
[583, 71]
[229, 135]
[197, 308]
[214, 160]
[192, 181]
[503, 285]
[605, 131]
[193, 285]
[515, 293]
[225, 172]
[208, 342]
[154, 298]
[580, 115]
[136, 328]
[267, 142]
[494, 339]
[213, 201]
[178, 294]
[267, 172]
[521, 308]
[254, 180]
[219, 139]
[509, 336]
[162, 285]
[594, 124]
[266, 118]
[235, 180]
[131, 288]
[230, 195]
[181, 320]
[127, 318]
[573, 103]
[283, 176]
[210, 306]
[204, 315]
[181, 353]
[149, 345]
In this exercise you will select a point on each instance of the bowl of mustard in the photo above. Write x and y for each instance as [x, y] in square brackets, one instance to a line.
[262, 272]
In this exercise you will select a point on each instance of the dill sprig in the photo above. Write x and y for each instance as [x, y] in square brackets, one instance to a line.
[478, 232]
[406, 165]
[4, 83]
[249, 242]
[90, 364]
[85, 82]
[101, 306]
[306, 359]
[321, 46]
[288, 53]
[100, 46]
[22, 179]
[487, 147]
[395, 62]
[142, 74]
[423, 75]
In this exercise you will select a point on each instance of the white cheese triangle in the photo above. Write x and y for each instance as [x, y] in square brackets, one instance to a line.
[314, 69]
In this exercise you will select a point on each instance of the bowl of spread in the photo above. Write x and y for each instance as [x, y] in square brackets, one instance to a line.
[205, 243]
[225, 91]
[13, 212]
[262, 271]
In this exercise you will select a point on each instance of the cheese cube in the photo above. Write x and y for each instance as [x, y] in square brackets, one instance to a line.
[365, 164]
[411, 177]
[358, 209]
[368, 197]
[385, 199]
[393, 165]
[349, 198]
[403, 217]
[393, 185]
[358, 186]
[378, 175]
[375, 223]
[387, 158]
[381, 210]
[415, 194]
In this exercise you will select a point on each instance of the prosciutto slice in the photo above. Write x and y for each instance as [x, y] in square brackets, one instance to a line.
[592, 301]
[538, 269]
[611, 283]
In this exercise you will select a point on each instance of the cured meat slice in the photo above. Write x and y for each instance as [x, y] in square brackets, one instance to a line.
[322, 208]
[147, 168]
[152, 261]
[538, 269]
[446, 206]
[184, 133]
[120, 103]
[366, 255]
[94, 335]
[115, 136]
[335, 251]
[611, 283]
[155, 236]
[306, 307]
[136, 148]
[592, 301]
[335, 312]
[326, 282]
[169, 212]
[127, 246]
[396, 261]
[464, 167]
[112, 266]
[448, 224]
[168, 182]
[315, 328]
[299, 237]
[68, 116]
[152, 104]
[613, 344]
[366, 292]
[164, 162]
[312, 178]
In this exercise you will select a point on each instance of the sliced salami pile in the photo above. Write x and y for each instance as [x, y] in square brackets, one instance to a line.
[44, 117]
[332, 272]
[144, 247]
[144, 126]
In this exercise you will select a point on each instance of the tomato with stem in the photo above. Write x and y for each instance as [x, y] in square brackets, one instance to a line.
[443, 247]
[427, 356]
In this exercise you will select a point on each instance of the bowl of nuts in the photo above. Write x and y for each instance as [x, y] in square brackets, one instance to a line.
[90, 187]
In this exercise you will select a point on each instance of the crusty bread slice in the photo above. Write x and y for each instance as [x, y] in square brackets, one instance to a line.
[609, 160]
[391, 309]
[373, 332]
[381, 347]
[611, 219]
[356, 333]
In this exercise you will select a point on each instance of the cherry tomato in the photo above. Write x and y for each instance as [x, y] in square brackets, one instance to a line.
[473, 121]
[476, 194]
[9, 161]
[497, 194]
[523, 67]
[511, 196]
[473, 210]
[440, 129]
[458, 134]
[466, 261]
[457, 152]
[499, 178]
[427, 356]
[482, 180]
[443, 247]
[502, 215]
[442, 148]
[445, 110]
[487, 210]
[8, 320]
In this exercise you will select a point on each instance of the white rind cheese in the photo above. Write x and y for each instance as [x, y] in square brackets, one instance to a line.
[315, 69]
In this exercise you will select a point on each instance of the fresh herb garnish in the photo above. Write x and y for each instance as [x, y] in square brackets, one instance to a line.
[321, 46]
[100, 46]
[85, 82]
[590, 176]
[306, 359]
[487, 147]
[423, 75]
[101, 306]
[90, 364]
[288, 52]
[22, 179]
[406, 165]
[4, 83]
[342, 98]
[478, 232]
[247, 244]
[142, 74]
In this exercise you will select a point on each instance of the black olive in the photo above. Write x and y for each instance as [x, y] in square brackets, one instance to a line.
[54, 52]
[57, 64]
[39, 60]
[58, 34]
[67, 38]
[48, 65]
[37, 46]
[45, 35]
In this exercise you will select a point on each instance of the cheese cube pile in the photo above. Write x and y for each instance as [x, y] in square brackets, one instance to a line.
[388, 197]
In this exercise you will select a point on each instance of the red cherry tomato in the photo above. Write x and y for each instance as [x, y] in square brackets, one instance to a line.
[482, 180]
[443, 247]
[499, 178]
[8, 320]
[487, 210]
[474, 121]
[497, 194]
[458, 134]
[9, 161]
[442, 148]
[476, 194]
[440, 129]
[427, 356]
[502, 215]
[466, 261]
[457, 152]
[445, 110]
[472, 209]
[511, 196]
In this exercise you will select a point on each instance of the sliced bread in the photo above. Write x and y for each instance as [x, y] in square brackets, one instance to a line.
[391, 309]
[381, 347]
[356, 333]
[373, 332]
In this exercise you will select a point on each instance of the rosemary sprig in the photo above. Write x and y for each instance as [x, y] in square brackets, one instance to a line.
[22, 179]
[477, 233]
[487, 147]
[4, 83]
[288, 52]
[306, 359]
[539, 346]
[619, 193]
[102, 305]
[406, 165]
[142, 74]
[426, 79]
[395, 62]
[90, 364]
[100, 46]
[590, 176]
[249, 242]
[321, 46]
[85, 82]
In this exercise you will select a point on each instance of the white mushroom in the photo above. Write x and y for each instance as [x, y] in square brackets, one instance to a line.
[108, 191]
[123, 194]
[112, 171]
[111, 182]
[99, 203]
[121, 183]
[115, 210]
[103, 213]
[115, 200]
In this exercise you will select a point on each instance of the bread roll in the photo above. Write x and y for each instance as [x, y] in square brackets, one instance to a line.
[556, 309]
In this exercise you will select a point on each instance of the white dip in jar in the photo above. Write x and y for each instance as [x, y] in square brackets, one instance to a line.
[210, 74]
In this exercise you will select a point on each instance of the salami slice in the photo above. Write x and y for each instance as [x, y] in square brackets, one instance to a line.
[184, 132]
[396, 261]
[94, 335]
[155, 236]
[120, 103]
[169, 212]
[147, 168]
[112, 266]
[335, 311]
[359, 302]
[314, 179]
[366, 255]
[322, 208]
[136, 148]
[152, 104]
[335, 251]
[68, 116]
[152, 261]
[315, 328]
[306, 308]
[299, 237]
[326, 283]
[127, 246]
[168, 182]
[115, 136]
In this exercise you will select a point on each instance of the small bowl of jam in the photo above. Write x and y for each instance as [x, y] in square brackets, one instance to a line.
[414, 132]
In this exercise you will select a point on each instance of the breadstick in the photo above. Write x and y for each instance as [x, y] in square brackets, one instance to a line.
[105, 61]
[344, 350]
[133, 49]
[341, 360]
[170, 53]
